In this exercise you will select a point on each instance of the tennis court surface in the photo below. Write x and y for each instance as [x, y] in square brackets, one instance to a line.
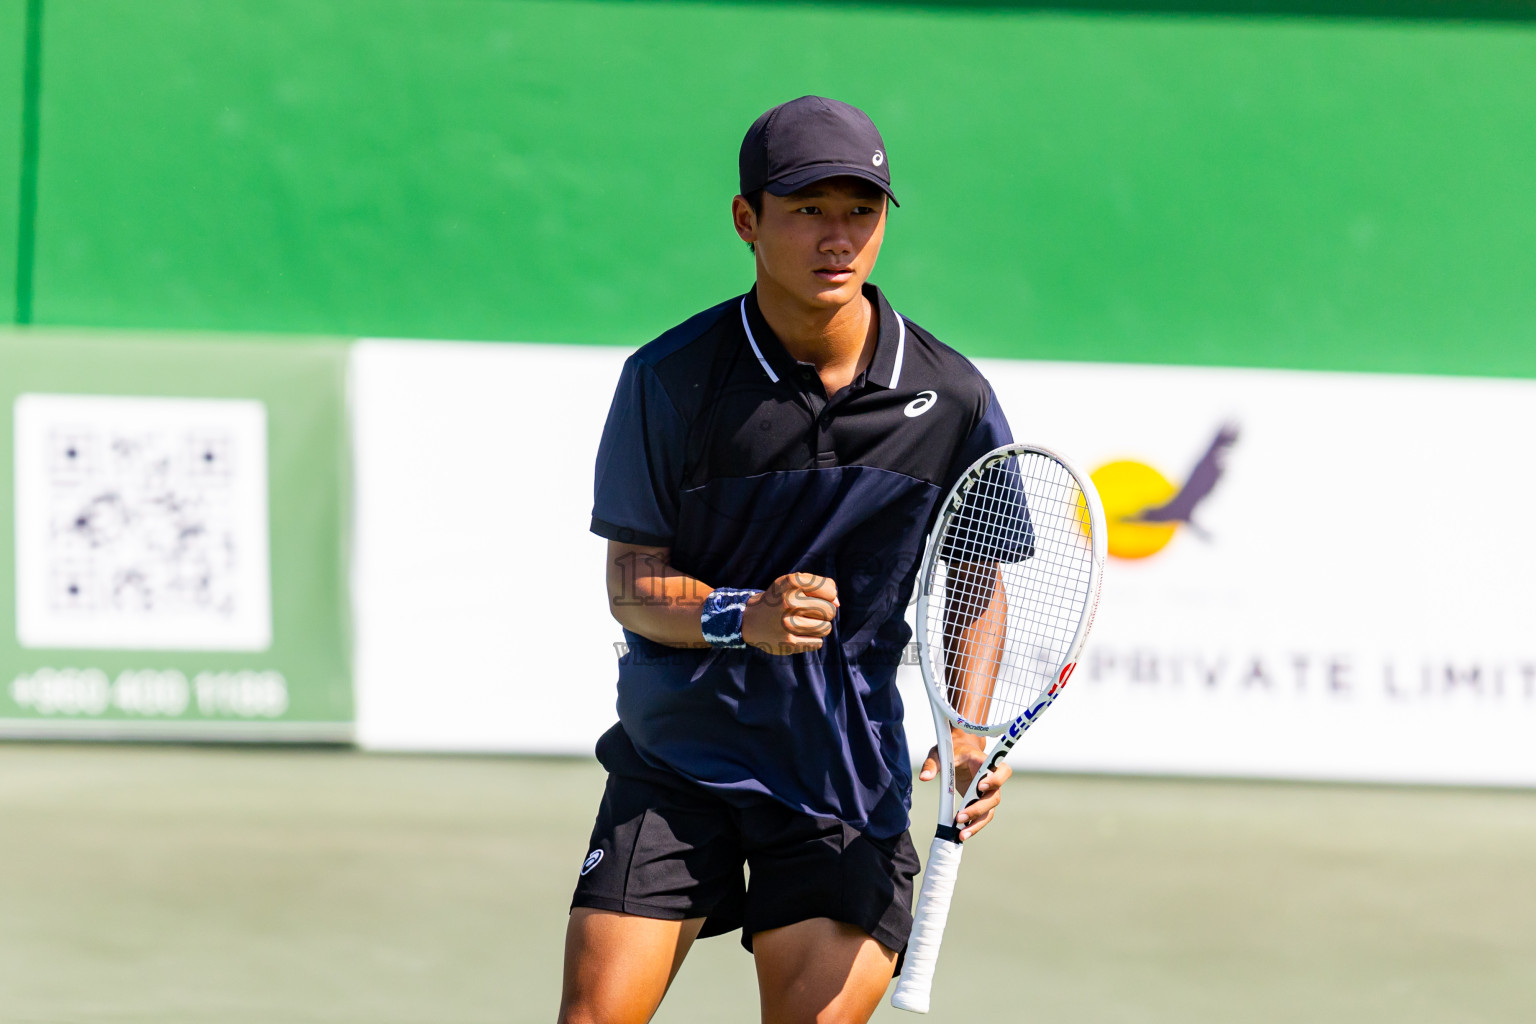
[178, 885]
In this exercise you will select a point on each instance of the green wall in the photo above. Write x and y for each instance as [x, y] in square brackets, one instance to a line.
[1268, 191]
[12, 60]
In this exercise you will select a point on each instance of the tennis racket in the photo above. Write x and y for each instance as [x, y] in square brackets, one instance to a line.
[1009, 586]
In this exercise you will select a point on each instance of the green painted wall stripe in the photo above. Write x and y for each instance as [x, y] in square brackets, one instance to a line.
[1390, 10]
[12, 61]
[26, 204]
[1276, 191]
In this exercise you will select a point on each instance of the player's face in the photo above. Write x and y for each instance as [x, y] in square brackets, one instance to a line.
[817, 245]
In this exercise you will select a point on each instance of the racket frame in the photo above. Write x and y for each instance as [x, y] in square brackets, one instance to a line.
[914, 986]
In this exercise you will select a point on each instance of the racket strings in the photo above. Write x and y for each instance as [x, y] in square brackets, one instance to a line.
[1009, 587]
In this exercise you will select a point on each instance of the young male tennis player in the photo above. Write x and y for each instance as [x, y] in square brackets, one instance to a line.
[765, 482]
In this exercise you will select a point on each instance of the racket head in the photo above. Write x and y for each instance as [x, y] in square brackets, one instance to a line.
[1024, 519]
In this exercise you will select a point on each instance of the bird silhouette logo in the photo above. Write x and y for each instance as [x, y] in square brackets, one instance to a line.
[1144, 509]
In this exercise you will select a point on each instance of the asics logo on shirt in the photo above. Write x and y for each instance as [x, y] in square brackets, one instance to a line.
[921, 404]
[592, 861]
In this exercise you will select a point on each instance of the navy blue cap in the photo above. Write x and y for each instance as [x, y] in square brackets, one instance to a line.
[812, 138]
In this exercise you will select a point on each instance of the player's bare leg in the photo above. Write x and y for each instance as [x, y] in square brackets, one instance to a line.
[618, 966]
[820, 972]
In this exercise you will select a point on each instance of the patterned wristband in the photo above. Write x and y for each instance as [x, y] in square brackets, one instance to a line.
[721, 616]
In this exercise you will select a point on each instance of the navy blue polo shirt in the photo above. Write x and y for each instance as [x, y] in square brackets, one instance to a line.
[723, 448]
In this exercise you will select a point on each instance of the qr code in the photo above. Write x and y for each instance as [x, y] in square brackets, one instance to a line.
[141, 523]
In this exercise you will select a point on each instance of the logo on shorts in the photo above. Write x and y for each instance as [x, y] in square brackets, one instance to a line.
[593, 860]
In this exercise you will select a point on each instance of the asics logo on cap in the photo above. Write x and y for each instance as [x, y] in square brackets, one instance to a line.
[921, 404]
[805, 140]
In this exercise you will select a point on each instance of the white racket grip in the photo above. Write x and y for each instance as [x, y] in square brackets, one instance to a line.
[939, 876]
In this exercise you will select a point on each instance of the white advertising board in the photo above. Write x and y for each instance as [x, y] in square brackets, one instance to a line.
[479, 613]
[1351, 598]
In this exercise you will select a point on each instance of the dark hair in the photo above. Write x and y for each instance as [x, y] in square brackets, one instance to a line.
[755, 200]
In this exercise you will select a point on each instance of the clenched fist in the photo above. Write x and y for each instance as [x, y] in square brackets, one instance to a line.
[791, 616]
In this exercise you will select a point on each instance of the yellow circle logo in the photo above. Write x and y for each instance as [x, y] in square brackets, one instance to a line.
[1143, 509]
[1127, 488]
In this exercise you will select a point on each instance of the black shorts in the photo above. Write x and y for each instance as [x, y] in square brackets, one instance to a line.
[666, 847]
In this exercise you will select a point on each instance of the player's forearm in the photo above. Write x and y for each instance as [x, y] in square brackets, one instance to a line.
[666, 610]
[650, 597]
[977, 650]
